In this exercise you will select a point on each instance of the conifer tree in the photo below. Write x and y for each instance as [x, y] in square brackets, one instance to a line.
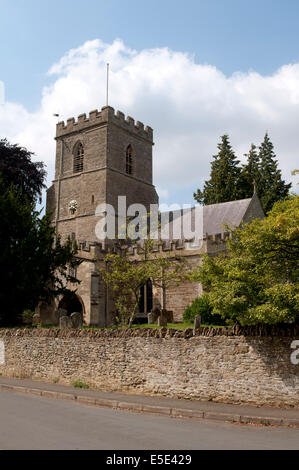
[229, 182]
[225, 172]
[250, 174]
[271, 186]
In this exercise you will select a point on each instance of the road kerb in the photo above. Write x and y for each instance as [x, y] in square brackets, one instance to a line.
[18, 389]
[221, 416]
[157, 409]
[162, 410]
[126, 405]
[5, 387]
[66, 396]
[265, 420]
[49, 394]
[184, 413]
[106, 403]
[86, 400]
[290, 422]
[34, 391]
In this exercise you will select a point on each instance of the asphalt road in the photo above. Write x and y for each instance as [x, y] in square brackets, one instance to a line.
[30, 422]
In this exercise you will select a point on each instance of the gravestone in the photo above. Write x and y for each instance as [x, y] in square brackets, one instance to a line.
[60, 312]
[65, 323]
[162, 320]
[150, 318]
[197, 322]
[169, 315]
[36, 319]
[77, 320]
[45, 311]
[155, 314]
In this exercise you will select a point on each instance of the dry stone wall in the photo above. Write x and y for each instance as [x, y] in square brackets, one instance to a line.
[228, 365]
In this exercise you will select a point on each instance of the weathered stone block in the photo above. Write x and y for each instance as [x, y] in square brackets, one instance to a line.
[36, 319]
[156, 312]
[197, 322]
[162, 321]
[60, 312]
[169, 315]
[77, 320]
[65, 323]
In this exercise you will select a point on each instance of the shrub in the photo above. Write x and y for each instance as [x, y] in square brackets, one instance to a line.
[27, 317]
[202, 306]
[80, 384]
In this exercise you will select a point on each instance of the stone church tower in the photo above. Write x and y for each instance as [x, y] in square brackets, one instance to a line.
[97, 159]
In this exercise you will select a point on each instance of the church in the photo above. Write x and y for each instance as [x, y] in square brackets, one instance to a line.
[99, 158]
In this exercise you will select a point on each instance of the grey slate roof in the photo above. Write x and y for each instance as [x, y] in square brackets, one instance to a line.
[214, 216]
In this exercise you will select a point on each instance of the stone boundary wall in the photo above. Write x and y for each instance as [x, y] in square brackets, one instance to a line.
[214, 364]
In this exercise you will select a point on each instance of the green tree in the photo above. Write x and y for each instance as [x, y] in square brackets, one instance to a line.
[168, 271]
[125, 276]
[250, 174]
[225, 172]
[202, 306]
[228, 181]
[17, 168]
[257, 281]
[271, 187]
[33, 263]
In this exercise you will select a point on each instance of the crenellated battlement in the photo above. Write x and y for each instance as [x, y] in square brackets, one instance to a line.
[106, 115]
[91, 251]
[186, 247]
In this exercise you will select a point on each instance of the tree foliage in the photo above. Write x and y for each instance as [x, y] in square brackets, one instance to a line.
[257, 281]
[126, 274]
[271, 187]
[202, 306]
[33, 263]
[168, 272]
[17, 169]
[250, 174]
[225, 173]
[229, 181]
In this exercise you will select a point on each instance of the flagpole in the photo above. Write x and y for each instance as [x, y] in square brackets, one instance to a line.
[107, 93]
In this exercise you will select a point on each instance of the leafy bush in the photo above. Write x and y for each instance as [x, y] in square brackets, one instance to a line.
[202, 306]
[257, 280]
[80, 384]
[27, 317]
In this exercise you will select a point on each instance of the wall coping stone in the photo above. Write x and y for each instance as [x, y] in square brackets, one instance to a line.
[92, 334]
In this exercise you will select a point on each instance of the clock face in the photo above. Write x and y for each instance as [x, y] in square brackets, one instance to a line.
[73, 205]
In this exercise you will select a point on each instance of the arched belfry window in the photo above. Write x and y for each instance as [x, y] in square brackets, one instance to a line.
[129, 160]
[78, 158]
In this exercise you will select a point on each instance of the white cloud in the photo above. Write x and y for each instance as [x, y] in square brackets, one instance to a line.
[189, 106]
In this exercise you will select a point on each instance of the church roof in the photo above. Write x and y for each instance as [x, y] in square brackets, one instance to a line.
[216, 216]
[213, 218]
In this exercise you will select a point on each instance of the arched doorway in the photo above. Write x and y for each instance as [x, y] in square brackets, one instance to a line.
[71, 304]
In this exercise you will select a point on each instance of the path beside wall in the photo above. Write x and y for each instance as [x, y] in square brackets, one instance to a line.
[222, 366]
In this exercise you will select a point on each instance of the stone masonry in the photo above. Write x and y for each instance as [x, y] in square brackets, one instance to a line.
[104, 137]
[221, 365]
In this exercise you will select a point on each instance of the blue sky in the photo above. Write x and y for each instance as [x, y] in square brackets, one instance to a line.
[233, 35]
[229, 35]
